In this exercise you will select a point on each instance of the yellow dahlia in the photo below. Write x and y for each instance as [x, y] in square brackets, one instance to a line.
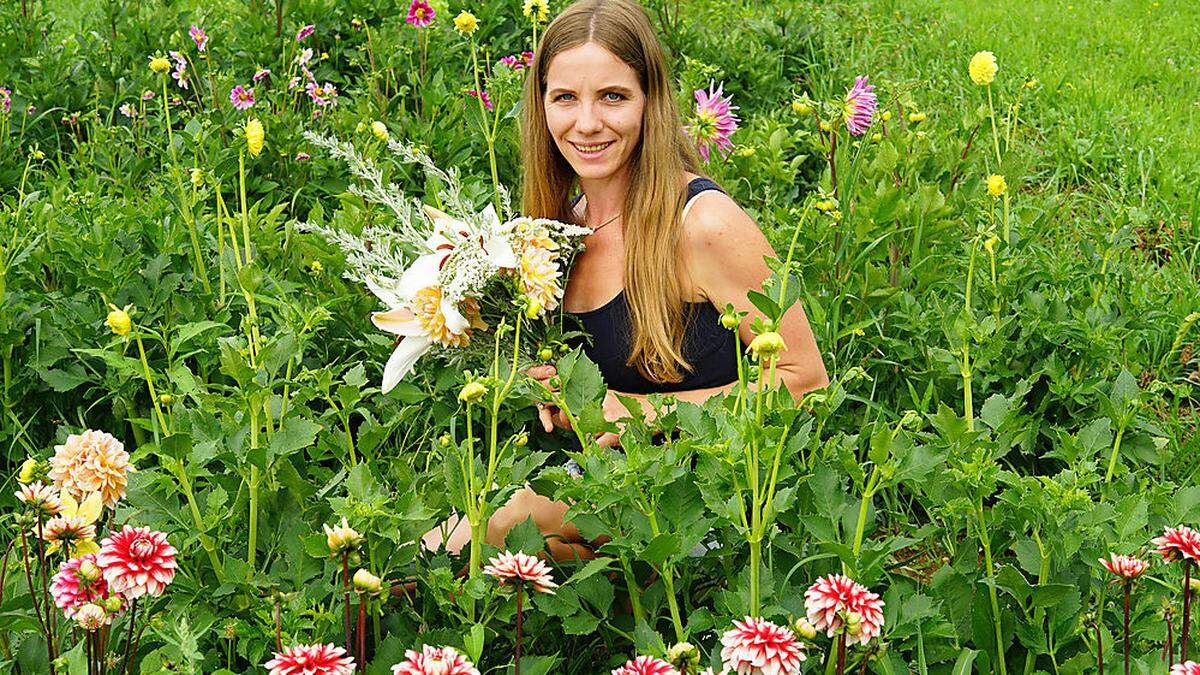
[540, 275]
[118, 320]
[255, 136]
[983, 68]
[159, 64]
[93, 461]
[996, 185]
[466, 23]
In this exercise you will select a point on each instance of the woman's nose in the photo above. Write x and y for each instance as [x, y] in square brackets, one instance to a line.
[588, 121]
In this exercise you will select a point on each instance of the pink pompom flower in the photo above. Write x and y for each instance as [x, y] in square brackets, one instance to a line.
[420, 14]
[1125, 566]
[860, 106]
[434, 661]
[314, 659]
[714, 120]
[832, 599]
[519, 567]
[1189, 668]
[646, 665]
[78, 582]
[1178, 543]
[241, 97]
[137, 561]
[199, 37]
[758, 647]
[304, 32]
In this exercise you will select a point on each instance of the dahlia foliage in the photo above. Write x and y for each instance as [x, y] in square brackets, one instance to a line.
[444, 275]
[434, 661]
[758, 647]
[836, 601]
[316, 659]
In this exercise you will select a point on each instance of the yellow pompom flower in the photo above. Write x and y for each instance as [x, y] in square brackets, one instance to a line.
[537, 11]
[767, 345]
[996, 185]
[380, 130]
[466, 23]
[983, 68]
[159, 64]
[915, 118]
[255, 136]
[118, 320]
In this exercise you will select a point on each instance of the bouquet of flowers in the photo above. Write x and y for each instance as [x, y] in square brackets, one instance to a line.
[446, 275]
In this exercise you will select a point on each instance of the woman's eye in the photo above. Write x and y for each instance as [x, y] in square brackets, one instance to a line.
[561, 97]
[615, 96]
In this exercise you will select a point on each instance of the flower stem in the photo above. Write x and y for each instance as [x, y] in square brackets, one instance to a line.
[1187, 610]
[162, 420]
[346, 599]
[841, 653]
[167, 118]
[755, 563]
[252, 542]
[33, 596]
[129, 653]
[985, 540]
[517, 650]
[1128, 586]
[1099, 648]
[1116, 452]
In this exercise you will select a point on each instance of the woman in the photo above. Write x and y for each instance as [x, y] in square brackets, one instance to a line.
[668, 247]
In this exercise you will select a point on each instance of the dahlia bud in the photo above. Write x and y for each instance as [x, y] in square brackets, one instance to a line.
[90, 616]
[166, 399]
[887, 115]
[113, 604]
[767, 345]
[380, 130]
[546, 354]
[342, 538]
[444, 440]
[230, 629]
[825, 126]
[805, 629]
[367, 583]
[801, 108]
[356, 23]
[472, 392]
[876, 137]
[118, 320]
[684, 656]
[1195, 584]
[361, 127]
[28, 471]
[730, 320]
[197, 176]
[853, 623]
[990, 244]
[533, 308]
[996, 185]
[88, 572]
[521, 439]
[159, 64]
[916, 117]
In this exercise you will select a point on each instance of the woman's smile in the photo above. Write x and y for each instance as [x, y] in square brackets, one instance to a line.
[591, 151]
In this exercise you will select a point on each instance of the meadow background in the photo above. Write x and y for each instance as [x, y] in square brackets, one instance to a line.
[980, 530]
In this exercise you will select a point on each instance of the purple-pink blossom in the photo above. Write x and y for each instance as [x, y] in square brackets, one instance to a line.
[304, 32]
[199, 37]
[241, 97]
[325, 94]
[261, 75]
[302, 156]
[518, 61]
[5, 99]
[420, 14]
[487, 100]
[860, 106]
[714, 120]
[180, 67]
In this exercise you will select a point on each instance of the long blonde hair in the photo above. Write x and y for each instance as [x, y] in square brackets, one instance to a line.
[654, 203]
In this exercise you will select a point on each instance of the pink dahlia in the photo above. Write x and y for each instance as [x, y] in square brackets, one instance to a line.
[1125, 566]
[759, 647]
[516, 568]
[311, 660]
[1189, 668]
[434, 661]
[44, 498]
[199, 37]
[860, 106]
[321, 94]
[518, 61]
[646, 665]
[78, 582]
[1178, 543]
[241, 97]
[93, 461]
[262, 74]
[420, 14]
[180, 72]
[5, 99]
[487, 100]
[714, 121]
[832, 599]
[137, 561]
[304, 32]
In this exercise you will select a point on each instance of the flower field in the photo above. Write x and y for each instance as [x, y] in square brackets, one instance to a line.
[268, 306]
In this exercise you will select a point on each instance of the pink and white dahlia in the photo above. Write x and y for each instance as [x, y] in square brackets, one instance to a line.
[860, 106]
[434, 661]
[262, 74]
[833, 599]
[311, 660]
[518, 61]
[68, 529]
[93, 461]
[241, 97]
[758, 647]
[1189, 668]
[180, 72]
[91, 616]
[325, 94]
[1125, 566]
[519, 567]
[487, 99]
[44, 498]
[420, 14]
[199, 37]
[304, 32]
[646, 665]
[137, 561]
[78, 582]
[1178, 543]
[714, 120]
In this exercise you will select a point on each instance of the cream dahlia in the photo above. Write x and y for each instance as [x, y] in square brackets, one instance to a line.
[91, 616]
[540, 277]
[78, 582]
[93, 461]
[41, 497]
[1189, 668]
[1178, 543]
[311, 660]
[67, 530]
[137, 561]
[1125, 566]
[759, 647]
[516, 568]
[646, 665]
[832, 599]
[434, 661]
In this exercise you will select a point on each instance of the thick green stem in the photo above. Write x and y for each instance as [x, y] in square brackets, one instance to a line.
[755, 564]
[668, 575]
[252, 543]
[985, 540]
[1116, 452]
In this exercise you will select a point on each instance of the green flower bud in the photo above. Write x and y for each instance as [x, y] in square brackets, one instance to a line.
[472, 392]
[546, 354]
[805, 629]
[767, 345]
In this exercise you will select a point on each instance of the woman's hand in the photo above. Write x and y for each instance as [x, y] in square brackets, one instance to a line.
[552, 416]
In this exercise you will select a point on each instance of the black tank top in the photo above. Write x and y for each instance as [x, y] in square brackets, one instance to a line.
[708, 347]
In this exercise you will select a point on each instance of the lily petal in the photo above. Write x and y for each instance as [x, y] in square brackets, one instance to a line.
[455, 322]
[385, 289]
[403, 359]
[422, 274]
[500, 253]
[399, 321]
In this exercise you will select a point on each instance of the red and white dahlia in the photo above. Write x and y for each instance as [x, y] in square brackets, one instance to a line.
[646, 665]
[1125, 566]
[1189, 668]
[1178, 543]
[92, 616]
[78, 582]
[758, 647]
[41, 497]
[137, 561]
[832, 599]
[515, 568]
[311, 660]
[434, 661]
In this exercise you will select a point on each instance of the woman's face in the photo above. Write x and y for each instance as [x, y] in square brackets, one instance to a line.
[594, 106]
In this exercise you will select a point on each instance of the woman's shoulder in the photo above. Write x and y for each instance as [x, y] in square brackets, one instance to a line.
[711, 213]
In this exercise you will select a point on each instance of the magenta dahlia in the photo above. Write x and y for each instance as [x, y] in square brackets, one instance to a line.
[646, 665]
[1178, 543]
[1125, 566]
[434, 661]
[199, 37]
[137, 561]
[420, 14]
[759, 647]
[714, 120]
[1189, 668]
[311, 660]
[519, 567]
[78, 582]
[860, 106]
[241, 97]
[304, 32]
[832, 599]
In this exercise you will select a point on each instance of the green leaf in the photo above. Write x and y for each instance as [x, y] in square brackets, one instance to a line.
[526, 537]
[296, 434]
[966, 658]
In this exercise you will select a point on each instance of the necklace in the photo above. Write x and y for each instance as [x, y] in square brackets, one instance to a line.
[601, 225]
